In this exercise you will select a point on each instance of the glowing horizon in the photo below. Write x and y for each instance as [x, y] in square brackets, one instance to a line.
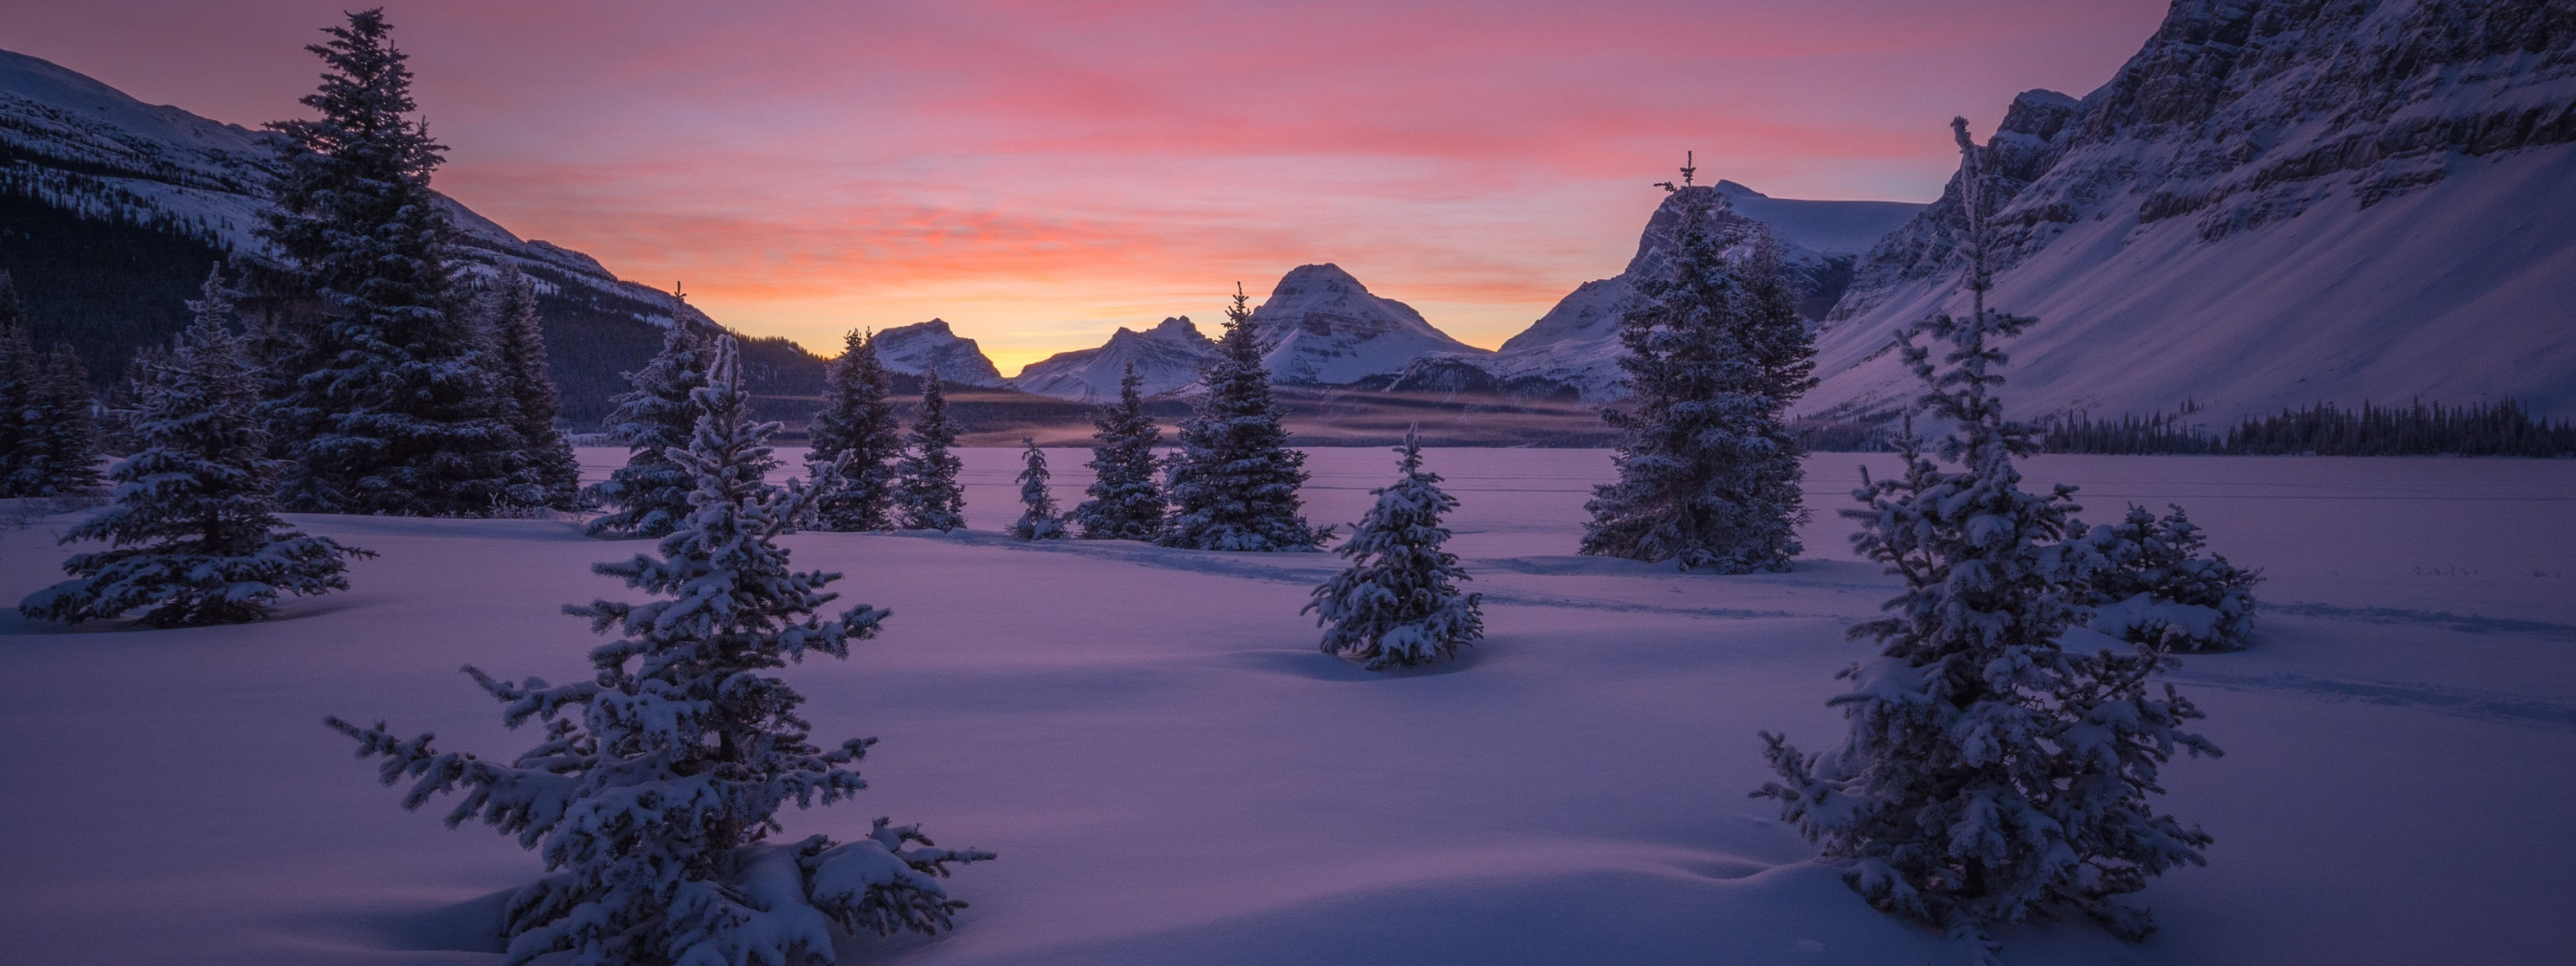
[1040, 174]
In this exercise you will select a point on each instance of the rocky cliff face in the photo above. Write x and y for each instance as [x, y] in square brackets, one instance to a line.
[930, 346]
[1168, 356]
[2274, 203]
[1325, 329]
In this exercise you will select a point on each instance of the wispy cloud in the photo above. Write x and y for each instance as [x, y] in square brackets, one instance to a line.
[1039, 172]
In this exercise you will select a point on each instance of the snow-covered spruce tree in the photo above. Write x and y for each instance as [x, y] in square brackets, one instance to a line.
[548, 476]
[2153, 586]
[190, 533]
[394, 407]
[1398, 603]
[1993, 773]
[1234, 482]
[1716, 352]
[650, 494]
[1039, 519]
[926, 493]
[659, 779]
[856, 432]
[1126, 500]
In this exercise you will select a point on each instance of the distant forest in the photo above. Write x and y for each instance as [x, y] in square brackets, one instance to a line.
[2422, 429]
[108, 287]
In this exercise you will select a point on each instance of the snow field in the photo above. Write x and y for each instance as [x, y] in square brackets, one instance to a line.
[1171, 774]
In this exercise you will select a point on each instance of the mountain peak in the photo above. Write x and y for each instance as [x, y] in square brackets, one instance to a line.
[925, 346]
[1325, 329]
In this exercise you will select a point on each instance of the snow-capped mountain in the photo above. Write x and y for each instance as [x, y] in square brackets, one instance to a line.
[1168, 356]
[1574, 348]
[1325, 329]
[924, 346]
[2272, 204]
[125, 169]
[83, 145]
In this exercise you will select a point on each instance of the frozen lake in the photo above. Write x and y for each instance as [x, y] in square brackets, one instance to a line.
[1171, 774]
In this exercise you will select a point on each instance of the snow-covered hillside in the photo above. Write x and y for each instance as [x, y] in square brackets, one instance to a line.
[925, 346]
[2273, 204]
[1325, 329]
[73, 144]
[1169, 356]
[1574, 348]
[83, 145]
[1173, 776]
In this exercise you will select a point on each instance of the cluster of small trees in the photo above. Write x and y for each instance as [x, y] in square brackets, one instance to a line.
[659, 779]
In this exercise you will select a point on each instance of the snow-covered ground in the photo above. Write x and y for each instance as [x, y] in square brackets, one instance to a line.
[1173, 776]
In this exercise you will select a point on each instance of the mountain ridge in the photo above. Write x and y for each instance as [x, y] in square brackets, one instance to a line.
[2272, 204]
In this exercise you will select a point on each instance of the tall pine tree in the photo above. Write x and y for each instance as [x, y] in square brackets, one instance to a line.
[661, 776]
[1234, 482]
[1039, 519]
[191, 535]
[1716, 352]
[1398, 604]
[927, 496]
[393, 407]
[650, 494]
[548, 475]
[1126, 498]
[856, 432]
[1993, 772]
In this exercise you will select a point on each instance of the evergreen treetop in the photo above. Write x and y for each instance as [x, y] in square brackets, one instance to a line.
[1993, 772]
[659, 779]
[1039, 519]
[857, 432]
[1398, 603]
[927, 496]
[1126, 500]
[1709, 471]
[549, 476]
[650, 493]
[1234, 482]
[393, 407]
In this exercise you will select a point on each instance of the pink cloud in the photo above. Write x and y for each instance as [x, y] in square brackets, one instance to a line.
[1018, 167]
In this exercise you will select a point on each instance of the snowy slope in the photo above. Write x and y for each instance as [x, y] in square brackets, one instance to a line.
[84, 146]
[1823, 227]
[924, 346]
[1173, 777]
[1575, 346]
[2273, 204]
[1325, 329]
[1169, 355]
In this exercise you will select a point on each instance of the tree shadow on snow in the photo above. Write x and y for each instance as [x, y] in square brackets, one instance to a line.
[1320, 666]
[471, 926]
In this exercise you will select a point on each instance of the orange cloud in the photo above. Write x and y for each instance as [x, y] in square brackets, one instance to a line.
[1037, 172]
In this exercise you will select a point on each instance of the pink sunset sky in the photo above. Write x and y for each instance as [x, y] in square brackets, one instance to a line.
[1039, 173]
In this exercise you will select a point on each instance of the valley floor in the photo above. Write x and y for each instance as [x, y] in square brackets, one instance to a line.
[1172, 775]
